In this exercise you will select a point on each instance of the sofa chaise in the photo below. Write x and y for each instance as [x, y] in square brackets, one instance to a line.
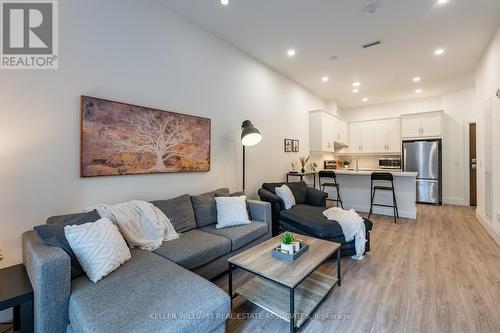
[306, 217]
[167, 290]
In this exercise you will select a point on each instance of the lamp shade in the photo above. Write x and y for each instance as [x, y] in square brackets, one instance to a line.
[250, 136]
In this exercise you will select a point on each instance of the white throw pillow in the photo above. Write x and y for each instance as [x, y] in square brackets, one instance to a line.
[286, 195]
[98, 246]
[231, 211]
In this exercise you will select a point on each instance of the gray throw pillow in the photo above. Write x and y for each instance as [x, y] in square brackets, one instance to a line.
[204, 206]
[53, 235]
[180, 212]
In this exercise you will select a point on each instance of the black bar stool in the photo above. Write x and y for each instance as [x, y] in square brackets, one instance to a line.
[330, 175]
[386, 177]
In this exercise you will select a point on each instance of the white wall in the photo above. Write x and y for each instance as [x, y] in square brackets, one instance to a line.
[143, 54]
[394, 109]
[487, 83]
[458, 108]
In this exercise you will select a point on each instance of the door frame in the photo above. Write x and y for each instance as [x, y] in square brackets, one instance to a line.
[467, 161]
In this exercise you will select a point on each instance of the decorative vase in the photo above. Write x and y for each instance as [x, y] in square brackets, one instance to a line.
[302, 170]
[346, 166]
[288, 247]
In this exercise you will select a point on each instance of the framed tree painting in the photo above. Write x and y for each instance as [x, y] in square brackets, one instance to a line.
[125, 139]
[295, 146]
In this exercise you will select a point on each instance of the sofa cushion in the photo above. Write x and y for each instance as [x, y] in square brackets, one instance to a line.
[146, 294]
[299, 190]
[180, 212]
[204, 206]
[52, 234]
[240, 235]
[311, 220]
[194, 248]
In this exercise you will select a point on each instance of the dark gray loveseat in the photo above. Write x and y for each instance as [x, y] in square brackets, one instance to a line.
[162, 291]
[306, 217]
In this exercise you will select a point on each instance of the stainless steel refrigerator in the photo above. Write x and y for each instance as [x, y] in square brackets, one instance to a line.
[424, 157]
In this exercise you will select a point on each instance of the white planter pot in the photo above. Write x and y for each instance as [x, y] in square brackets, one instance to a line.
[288, 247]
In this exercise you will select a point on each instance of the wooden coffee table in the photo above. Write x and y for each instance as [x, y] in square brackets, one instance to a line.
[289, 290]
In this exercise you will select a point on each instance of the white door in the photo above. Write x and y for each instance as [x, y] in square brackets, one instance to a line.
[355, 137]
[393, 135]
[411, 126]
[366, 129]
[379, 136]
[432, 124]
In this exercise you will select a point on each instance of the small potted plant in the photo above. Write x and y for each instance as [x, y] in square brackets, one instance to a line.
[287, 240]
[303, 162]
[346, 164]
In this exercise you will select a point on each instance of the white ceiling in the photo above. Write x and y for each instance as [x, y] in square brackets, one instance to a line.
[318, 29]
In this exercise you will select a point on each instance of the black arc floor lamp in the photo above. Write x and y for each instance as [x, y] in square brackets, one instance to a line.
[250, 136]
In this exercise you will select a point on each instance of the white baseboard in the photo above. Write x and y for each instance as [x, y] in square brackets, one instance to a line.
[489, 226]
[454, 201]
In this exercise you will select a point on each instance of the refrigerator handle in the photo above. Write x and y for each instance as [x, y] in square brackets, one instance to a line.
[404, 159]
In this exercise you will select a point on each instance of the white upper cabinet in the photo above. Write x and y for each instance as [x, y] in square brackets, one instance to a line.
[393, 135]
[379, 136]
[375, 136]
[355, 138]
[428, 124]
[432, 124]
[361, 137]
[324, 130]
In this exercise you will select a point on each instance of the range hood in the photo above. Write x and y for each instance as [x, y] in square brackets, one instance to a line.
[339, 145]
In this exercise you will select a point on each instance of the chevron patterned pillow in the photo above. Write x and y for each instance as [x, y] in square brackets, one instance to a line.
[99, 247]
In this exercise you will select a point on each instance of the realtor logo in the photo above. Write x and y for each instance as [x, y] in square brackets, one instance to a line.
[29, 34]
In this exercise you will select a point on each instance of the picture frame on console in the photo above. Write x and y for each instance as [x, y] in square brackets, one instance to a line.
[288, 145]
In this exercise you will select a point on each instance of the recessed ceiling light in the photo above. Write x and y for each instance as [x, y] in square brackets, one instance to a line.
[418, 91]
[325, 78]
[224, 2]
[291, 53]
[417, 79]
[439, 52]
[365, 99]
[442, 2]
[355, 91]
[356, 84]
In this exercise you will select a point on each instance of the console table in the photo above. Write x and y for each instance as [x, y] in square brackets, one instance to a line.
[16, 292]
[301, 176]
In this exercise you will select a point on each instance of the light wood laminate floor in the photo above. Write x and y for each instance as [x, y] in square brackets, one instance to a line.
[440, 273]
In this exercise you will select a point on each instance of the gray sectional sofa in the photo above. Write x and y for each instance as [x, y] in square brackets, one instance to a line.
[167, 290]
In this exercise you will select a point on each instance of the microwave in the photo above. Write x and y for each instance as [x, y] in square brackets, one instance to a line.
[389, 163]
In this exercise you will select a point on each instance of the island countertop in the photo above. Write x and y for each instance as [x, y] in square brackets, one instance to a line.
[397, 173]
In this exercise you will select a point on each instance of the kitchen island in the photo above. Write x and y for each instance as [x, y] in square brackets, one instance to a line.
[355, 192]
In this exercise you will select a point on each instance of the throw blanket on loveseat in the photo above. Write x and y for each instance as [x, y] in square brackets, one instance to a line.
[352, 226]
[142, 224]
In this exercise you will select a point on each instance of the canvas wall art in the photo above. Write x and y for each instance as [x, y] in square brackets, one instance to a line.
[124, 139]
